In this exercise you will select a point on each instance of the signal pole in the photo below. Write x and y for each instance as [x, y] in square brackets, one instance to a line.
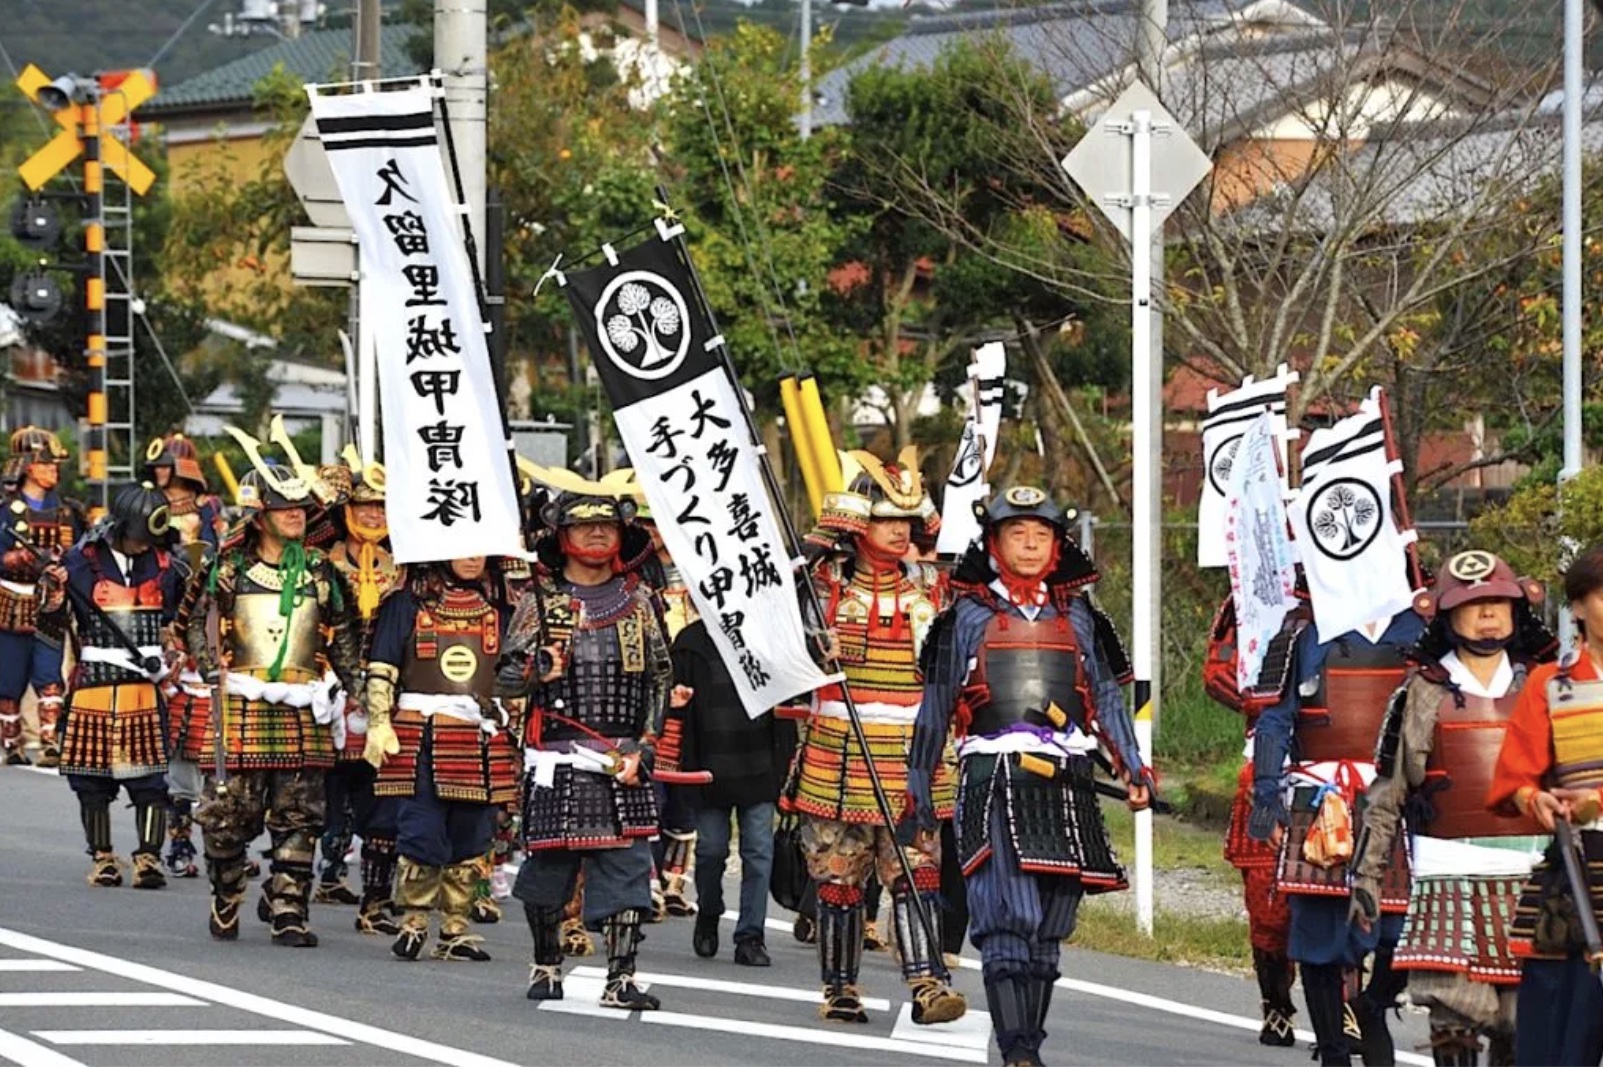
[94, 238]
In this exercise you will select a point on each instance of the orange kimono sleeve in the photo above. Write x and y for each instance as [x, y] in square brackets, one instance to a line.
[1527, 751]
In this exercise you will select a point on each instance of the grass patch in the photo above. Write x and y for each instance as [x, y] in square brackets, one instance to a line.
[1201, 942]
[1176, 844]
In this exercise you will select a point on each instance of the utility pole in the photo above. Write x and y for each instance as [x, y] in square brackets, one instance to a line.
[1574, 89]
[368, 44]
[461, 47]
[806, 69]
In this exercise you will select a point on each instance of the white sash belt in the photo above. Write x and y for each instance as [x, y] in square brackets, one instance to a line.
[458, 706]
[542, 763]
[324, 700]
[121, 657]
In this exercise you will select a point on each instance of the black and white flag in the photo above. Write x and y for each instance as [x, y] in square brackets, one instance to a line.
[1228, 418]
[450, 491]
[676, 408]
[1353, 554]
[966, 485]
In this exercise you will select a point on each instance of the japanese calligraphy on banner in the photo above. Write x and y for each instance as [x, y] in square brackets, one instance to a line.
[450, 490]
[966, 485]
[1344, 519]
[1263, 561]
[1228, 418]
[677, 412]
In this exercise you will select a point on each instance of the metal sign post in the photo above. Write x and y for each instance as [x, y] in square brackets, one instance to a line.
[1118, 179]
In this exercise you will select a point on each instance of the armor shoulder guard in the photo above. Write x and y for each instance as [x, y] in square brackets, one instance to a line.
[1111, 645]
[1391, 731]
[1275, 673]
[940, 634]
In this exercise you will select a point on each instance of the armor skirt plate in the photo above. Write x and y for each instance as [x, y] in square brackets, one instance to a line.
[582, 810]
[270, 737]
[1460, 925]
[834, 782]
[188, 716]
[115, 731]
[1296, 875]
[468, 764]
[1549, 880]
[1054, 825]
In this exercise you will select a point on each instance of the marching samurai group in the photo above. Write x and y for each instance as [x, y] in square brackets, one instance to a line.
[609, 693]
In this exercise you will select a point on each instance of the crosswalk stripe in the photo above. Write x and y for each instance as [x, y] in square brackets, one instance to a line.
[34, 965]
[14, 1048]
[972, 1031]
[69, 999]
[187, 1037]
[720, 985]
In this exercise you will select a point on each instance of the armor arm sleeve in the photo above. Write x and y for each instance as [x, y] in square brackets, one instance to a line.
[1112, 718]
[660, 664]
[1271, 743]
[1527, 746]
[379, 697]
[1383, 811]
[345, 641]
[392, 627]
[191, 622]
[523, 632]
[951, 645]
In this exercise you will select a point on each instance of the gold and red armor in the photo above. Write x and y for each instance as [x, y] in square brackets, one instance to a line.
[881, 626]
[444, 703]
[282, 711]
[1336, 729]
[371, 573]
[609, 698]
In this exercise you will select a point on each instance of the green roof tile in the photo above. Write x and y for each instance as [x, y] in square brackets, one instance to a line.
[316, 55]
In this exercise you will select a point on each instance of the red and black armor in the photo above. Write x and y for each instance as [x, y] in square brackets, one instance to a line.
[1024, 670]
[1342, 720]
[1469, 735]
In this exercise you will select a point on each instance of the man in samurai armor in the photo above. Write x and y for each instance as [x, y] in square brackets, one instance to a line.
[117, 592]
[1313, 758]
[1028, 671]
[1435, 761]
[39, 526]
[371, 574]
[588, 651]
[439, 740]
[172, 465]
[1268, 914]
[1550, 769]
[878, 610]
[270, 627]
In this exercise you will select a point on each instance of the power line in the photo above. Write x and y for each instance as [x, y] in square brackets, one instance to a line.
[179, 32]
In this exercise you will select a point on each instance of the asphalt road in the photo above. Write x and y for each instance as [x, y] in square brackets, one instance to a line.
[120, 976]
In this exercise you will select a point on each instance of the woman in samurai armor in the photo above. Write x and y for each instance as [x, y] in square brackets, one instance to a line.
[172, 465]
[1027, 670]
[588, 651]
[1315, 743]
[1436, 756]
[878, 610]
[271, 631]
[1550, 769]
[117, 591]
[39, 526]
[439, 740]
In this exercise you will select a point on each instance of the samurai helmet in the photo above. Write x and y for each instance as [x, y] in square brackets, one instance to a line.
[357, 482]
[1022, 502]
[270, 486]
[574, 509]
[139, 514]
[179, 453]
[570, 508]
[875, 490]
[1476, 575]
[976, 569]
[626, 484]
[31, 445]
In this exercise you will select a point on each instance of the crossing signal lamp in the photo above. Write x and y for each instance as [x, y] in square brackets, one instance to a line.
[35, 223]
[35, 296]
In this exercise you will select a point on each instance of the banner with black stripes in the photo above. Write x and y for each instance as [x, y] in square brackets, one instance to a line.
[1229, 415]
[450, 491]
[966, 485]
[1344, 519]
[674, 400]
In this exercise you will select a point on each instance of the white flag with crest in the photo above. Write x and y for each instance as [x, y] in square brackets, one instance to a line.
[1353, 554]
[966, 485]
[1229, 416]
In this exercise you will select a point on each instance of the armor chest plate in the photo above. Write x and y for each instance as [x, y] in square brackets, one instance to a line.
[132, 614]
[48, 528]
[1022, 668]
[257, 630]
[1576, 711]
[1468, 739]
[890, 622]
[1343, 720]
[606, 685]
[453, 653]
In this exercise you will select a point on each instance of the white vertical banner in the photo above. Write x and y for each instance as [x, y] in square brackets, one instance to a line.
[674, 401]
[450, 491]
[1229, 415]
[966, 485]
[1353, 554]
[1262, 558]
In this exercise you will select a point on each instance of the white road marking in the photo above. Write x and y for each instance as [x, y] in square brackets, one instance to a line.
[14, 1048]
[582, 987]
[69, 999]
[187, 1037]
[1145, 1000]
[348, 1029]
[972, 1031]
[12, 966]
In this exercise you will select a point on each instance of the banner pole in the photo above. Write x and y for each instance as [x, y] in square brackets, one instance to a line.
[810, 592]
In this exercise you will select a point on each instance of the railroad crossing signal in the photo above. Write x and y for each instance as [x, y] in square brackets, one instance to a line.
[114, 106]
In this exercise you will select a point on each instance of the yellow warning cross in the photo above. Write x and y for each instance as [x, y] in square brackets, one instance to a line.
[114, 107]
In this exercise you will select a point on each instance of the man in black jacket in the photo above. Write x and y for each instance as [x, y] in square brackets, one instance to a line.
[747, 759]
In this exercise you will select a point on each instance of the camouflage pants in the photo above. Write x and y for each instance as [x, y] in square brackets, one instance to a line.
[846, 853]
[289, 806]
